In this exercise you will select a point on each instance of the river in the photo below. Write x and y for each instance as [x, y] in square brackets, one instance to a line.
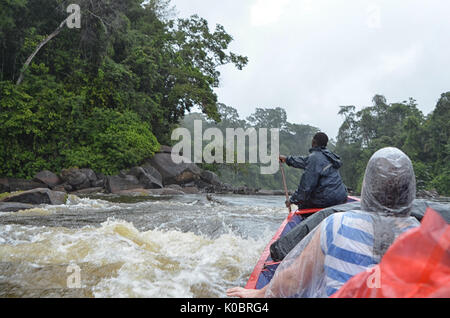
[172, 247]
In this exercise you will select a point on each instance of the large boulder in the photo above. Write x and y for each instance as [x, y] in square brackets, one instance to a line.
[13, 184]
[173, 173]
[4, 185]
[48, 178]
[90, 174]
[149, 169]
[211, 178]
[38, 196]
[100, 182]
[116, 184]
[14, 206]
[75, 178]
[80, 179]
[148, 178]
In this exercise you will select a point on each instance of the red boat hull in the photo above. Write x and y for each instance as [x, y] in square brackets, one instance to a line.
[265, 262]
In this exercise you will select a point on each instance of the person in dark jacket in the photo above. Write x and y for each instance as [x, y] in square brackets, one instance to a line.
[321, 185]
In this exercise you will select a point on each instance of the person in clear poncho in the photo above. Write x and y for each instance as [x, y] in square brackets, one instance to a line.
[346, 244]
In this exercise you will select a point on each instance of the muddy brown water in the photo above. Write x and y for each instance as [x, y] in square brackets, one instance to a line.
[109, 246]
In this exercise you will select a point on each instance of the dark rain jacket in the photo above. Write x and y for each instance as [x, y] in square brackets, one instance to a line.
[321, 185]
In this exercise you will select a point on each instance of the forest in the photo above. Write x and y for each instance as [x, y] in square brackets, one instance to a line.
[106, 95]
[425, 139]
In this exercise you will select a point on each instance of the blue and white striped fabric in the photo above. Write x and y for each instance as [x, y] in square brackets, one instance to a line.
[347, 243]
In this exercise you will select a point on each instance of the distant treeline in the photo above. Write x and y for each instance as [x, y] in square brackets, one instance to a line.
[424, 138]
[294, 139]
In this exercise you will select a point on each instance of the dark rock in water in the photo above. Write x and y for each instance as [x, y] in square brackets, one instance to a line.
[14, 206]
[80, 179]
[48, 178]
[75, 178]
[211, 198]
[100, 183]
[65, 187]
[147, 180]
[4, 185]
[211, 178]
[173, 173]
[223, 189]
[150, 170]
[191, 190]
[245, 191]
[38, 196]
[90, 174]
[24, 185]
[115, 184]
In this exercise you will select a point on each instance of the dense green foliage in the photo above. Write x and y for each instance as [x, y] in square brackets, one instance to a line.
[106, 95]
[295, 139]
[425, 139]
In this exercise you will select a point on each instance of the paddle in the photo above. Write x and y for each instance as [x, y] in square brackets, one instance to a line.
[285, 185]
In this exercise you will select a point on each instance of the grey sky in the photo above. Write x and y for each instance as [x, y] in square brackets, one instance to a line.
[312, 56]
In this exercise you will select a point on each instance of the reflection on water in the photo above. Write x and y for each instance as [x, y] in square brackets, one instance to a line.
[136, 247]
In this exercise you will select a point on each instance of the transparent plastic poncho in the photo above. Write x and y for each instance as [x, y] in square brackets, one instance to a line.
[388, 193]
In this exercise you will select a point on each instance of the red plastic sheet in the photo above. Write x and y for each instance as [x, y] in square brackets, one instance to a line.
[416, 266]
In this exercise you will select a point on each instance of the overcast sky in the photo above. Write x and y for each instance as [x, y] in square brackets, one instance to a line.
[312, 56]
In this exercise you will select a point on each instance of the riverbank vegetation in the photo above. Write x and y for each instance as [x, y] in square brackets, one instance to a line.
[106, 95]
[424, 138]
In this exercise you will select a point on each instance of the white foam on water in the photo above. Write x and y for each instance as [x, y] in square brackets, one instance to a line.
[146, 264]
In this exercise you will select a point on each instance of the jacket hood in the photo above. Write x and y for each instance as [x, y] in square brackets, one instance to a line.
[389, 184]
[333, 158]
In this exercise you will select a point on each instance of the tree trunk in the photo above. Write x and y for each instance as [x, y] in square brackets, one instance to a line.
[42, 44]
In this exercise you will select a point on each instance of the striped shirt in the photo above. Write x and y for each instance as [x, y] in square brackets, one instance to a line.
[347, 241]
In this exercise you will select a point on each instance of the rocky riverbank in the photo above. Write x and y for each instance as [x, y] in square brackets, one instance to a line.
[157, 176]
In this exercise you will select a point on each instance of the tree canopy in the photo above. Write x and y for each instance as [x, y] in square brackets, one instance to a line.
[425, 139]
[295, 139]
[104, 95]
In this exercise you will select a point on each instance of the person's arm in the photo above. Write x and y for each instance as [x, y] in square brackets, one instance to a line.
[297, 162]
[297, 277]
[246, 293]
[308, 183]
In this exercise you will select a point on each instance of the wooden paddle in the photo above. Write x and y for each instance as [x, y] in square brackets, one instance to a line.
[285, 185]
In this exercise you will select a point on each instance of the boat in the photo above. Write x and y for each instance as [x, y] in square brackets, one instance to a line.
[266, 267]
